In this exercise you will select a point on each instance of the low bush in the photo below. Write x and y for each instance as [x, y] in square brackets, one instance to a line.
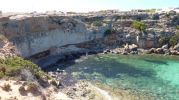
[32, 87]
[164, 39]
[53, 82]
[97, 23]
[1, 75]
[173, 40]
[2, 37]
[13, 65]
[6, 87]
[139, 25]
[3, 70]
[167, 15]
[108, 32]
[22, 90]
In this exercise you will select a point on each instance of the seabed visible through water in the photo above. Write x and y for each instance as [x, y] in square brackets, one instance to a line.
[152, 75]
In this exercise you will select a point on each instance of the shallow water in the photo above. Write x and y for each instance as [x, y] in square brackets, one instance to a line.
[156, 75]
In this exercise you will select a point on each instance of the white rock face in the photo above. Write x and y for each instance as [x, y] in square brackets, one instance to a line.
[32, 35]
[32, 44]
[165, 46]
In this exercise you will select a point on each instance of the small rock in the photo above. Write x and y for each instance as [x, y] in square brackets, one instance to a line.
[124, 53]
[165, 46]
[133, 47]
[173, 52]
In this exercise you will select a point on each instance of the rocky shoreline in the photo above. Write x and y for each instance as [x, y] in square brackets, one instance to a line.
[84, 90]
[133, 49]
[127, 49]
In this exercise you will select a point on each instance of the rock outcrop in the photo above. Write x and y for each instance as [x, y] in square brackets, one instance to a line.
[32, 35]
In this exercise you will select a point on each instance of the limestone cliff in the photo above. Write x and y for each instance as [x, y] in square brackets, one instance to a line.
[32, 35]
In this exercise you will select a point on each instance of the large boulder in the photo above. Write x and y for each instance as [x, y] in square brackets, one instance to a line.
[159, 51]
[176, 47]
[174, 52]
[26, 75]
[133, 47]
[126, 47]
[165, 46]
[152, 50]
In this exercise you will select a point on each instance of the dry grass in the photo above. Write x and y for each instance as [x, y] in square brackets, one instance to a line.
[53, 82]
[22, 90]
[32, 87]
[6, 87]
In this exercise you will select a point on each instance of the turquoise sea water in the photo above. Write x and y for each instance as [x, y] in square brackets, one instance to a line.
[156, 75]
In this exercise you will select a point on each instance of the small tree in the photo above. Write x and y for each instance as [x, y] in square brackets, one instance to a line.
[108, 32]
[138, 25]
[164, 39]
[97, 23]
[173, 40]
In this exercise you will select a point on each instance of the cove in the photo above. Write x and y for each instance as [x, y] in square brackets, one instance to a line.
[149, 74]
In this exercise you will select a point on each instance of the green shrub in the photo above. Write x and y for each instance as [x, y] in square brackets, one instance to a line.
[150, 11]
[3, 70]
[108, 32]
[32, 87]
[39, 74]
[173, 40]
[1, 75]
[13, 66]
[177, 35]
[53, 82]
[138, 25]
[5, 25]
[167, 15]
[97, 23]
[164, 40]
[2, 37]
[177, 27]
[22, 90]
[16, 62]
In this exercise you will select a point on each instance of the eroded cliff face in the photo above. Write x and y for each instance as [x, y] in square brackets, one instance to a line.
[32, 35]
[35, 33]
